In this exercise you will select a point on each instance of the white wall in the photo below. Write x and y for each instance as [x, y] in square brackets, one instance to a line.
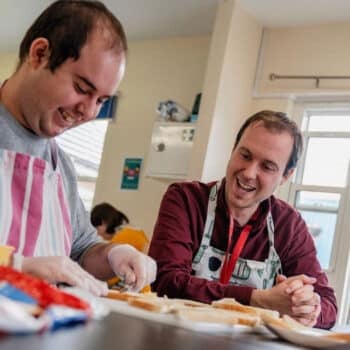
[156, 71]
[227, 92]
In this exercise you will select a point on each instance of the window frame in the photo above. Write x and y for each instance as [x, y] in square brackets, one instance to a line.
[339, 265]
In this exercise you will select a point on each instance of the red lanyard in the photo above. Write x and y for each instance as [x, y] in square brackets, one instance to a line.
[229, 263]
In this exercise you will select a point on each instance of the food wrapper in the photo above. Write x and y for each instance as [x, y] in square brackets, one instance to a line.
[29, 304]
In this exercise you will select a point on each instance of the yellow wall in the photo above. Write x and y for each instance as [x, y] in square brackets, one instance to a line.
[157, 70]
[316, 50]
[227, 93]
[8, 62]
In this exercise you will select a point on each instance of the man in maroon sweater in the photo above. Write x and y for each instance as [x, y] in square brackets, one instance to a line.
[235, 239]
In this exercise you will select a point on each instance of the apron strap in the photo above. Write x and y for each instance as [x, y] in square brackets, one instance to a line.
[209, 223]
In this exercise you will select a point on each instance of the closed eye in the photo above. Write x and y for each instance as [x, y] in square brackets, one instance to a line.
[245, 155]
[271, 167]
[80, 90]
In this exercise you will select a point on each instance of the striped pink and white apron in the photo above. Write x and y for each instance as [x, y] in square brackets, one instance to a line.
[34, 216]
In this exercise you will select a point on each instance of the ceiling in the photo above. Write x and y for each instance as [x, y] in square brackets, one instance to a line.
[287, 13]
[142, 19]
[152, 19]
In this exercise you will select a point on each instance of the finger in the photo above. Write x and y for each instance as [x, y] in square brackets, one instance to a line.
[126, 273]
[303, 278]
[293, 285]
[304, 295]
[305, 311]
[306, 322]
[151, 271]
[140, 270]
[85, 280]
[280, 278]
[130, 278]
[308, 279]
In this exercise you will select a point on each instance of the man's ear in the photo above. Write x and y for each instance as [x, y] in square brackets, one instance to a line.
[39, 52]
[287, 176]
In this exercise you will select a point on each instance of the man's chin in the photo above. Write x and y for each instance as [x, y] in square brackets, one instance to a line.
[47, 134]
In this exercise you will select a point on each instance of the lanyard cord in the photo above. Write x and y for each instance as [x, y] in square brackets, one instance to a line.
[230, 262]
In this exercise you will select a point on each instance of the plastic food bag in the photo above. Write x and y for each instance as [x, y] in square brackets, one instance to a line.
[29, 304]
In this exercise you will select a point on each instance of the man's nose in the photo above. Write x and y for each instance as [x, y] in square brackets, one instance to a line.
[251, 170]
[88, 109]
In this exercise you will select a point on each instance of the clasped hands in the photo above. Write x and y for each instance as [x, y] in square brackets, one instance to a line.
[293, 296]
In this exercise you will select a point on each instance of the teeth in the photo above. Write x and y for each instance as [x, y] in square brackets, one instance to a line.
[245, 187]
[67, 117]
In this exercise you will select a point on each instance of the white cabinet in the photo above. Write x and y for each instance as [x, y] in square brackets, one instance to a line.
[170, 150]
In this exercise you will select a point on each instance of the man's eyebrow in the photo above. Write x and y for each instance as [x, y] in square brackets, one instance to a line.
[242, 148]
[87, 82]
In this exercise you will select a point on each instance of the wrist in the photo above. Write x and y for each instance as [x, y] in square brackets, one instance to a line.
[258, 298]
[119, 248]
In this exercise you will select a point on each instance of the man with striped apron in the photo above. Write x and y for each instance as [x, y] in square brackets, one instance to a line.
[57, 87]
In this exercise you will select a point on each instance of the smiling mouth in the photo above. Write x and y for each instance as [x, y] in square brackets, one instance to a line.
[67, 117]
[245, 187]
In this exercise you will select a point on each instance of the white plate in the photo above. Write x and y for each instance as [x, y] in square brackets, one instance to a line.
[306, 337]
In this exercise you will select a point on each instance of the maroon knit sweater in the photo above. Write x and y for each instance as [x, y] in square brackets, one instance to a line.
[178, 234]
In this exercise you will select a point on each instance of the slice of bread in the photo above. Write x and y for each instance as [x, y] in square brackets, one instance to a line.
[342, 337]
[234, 305]
[285, 322]
[154, 304]
[125, 296]
[206, 314]
[178, 303]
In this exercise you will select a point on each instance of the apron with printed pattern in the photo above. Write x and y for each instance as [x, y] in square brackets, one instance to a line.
[208, 261]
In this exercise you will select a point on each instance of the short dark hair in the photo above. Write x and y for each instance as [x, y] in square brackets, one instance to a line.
[105, 213]
[280, 122]
[66, 24]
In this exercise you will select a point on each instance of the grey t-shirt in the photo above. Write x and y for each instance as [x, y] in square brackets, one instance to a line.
[14, 137]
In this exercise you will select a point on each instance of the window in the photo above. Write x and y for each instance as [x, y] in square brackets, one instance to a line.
[323, 176]
[320, 189]
[84, 145]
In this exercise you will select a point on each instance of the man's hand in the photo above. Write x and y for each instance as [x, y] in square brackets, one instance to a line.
[306, 304]
[135, 268]
[55, 269]
[280, 297]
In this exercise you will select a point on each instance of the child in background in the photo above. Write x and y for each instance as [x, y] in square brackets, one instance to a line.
[112, 225]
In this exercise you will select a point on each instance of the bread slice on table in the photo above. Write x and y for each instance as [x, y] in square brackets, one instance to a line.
[208, 314]
[233, 305]
[183, 303]
[154, 304]
[125, 296]
[342, 337]
[285, 322]
[205, 314]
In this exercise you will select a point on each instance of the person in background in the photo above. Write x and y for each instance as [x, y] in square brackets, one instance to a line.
[234, 239]
[112, 225]
[71, 60]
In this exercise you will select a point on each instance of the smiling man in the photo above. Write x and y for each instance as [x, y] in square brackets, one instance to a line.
[71, 60]
[235, 239]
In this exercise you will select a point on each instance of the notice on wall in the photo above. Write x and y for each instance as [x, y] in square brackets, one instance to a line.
[131, 173]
